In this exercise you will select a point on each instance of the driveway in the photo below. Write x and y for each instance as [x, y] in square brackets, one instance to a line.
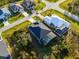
[3, 51]
[6, 23]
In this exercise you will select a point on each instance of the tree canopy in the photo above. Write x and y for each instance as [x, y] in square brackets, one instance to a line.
[3, 2]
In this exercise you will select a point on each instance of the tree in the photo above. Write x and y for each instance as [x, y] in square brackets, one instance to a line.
[21, 39]
[22, 43]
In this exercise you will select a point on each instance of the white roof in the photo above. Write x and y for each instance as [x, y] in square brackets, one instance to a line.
[5, 10]
[56, 21]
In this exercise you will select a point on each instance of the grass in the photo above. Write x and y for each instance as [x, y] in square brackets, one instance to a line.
[12, 30]
[1, 24]
[39, 6]
[69, 57]
[64, 5]
[74, 24]
[37, 18]
[52, 0]
[15, 18]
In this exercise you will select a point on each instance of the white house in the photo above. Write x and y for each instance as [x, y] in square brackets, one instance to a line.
[4, 14]
[58, 23]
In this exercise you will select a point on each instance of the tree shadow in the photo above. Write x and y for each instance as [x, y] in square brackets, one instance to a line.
[43, 51]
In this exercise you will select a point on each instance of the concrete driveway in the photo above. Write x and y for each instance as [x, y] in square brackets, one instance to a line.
[3, 51]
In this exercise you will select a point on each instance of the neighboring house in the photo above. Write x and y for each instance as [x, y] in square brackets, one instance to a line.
[61, 26]
[3, 51]
[42, 33]
[16, 7]
[29, 5]
[4, 14]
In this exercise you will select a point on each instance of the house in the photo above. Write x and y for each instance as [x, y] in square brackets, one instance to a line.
[29, 4]
[42, 33]
[4, 14]
[16, 7]
[61, 26]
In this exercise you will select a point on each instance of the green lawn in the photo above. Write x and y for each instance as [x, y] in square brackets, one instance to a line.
[15, 18]
[39, 6]
[52, 1]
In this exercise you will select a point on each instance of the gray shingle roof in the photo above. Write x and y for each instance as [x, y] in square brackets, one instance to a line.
[42, 32]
